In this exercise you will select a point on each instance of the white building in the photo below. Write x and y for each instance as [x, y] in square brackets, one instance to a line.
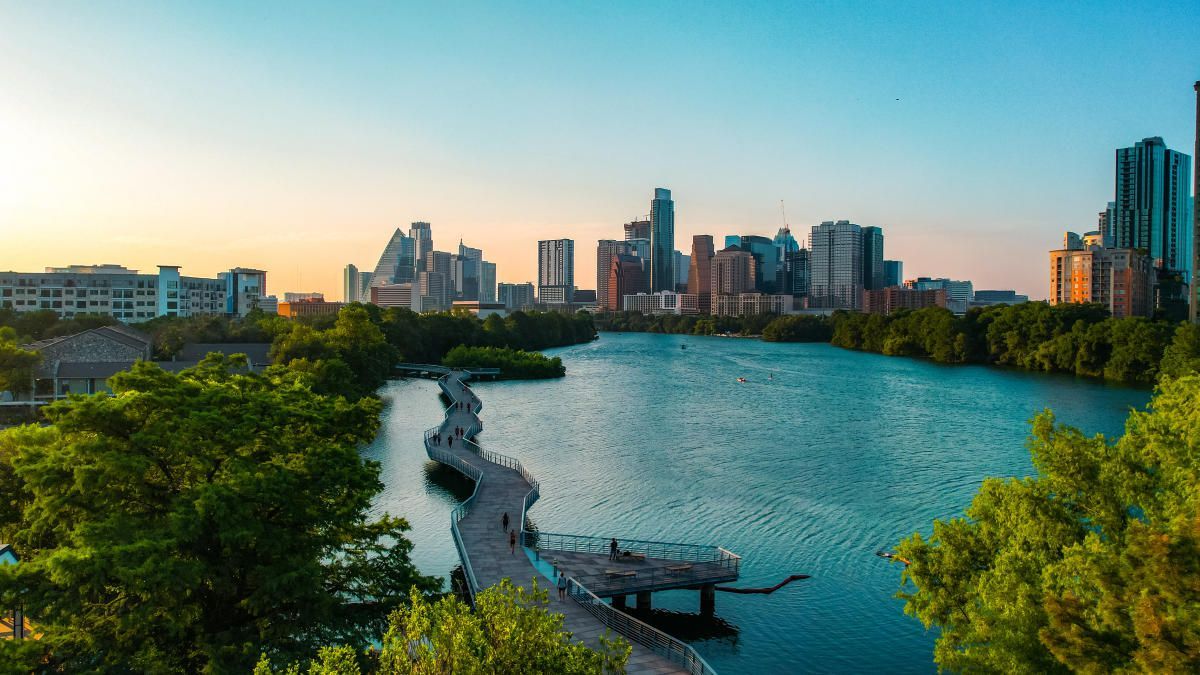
[751, 304]
[662, 302]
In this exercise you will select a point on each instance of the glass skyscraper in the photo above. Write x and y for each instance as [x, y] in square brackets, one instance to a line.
[872, 253]
[836, 268]
[662, 241]
[1151, 205]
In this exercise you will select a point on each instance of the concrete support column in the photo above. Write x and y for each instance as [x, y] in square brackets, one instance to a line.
[618, 602]
[643, 601]
[708, 599]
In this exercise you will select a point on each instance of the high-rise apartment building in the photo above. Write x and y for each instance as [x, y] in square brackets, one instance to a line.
[351, 278]
[893, 273]
[606, 250]
[638, 229]
[628, 275]
[872, 258]
[732, 272]
[422, 236]
[487, 281]
[1121, 279]
[395, 264]
[515, 296]
[1152, 190]
[700, 271]
[556, 270]
[662, 241]
[836, 280]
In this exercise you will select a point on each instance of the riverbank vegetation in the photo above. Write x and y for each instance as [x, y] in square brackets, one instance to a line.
[514, 364]
[636, 322]
[1088, 566]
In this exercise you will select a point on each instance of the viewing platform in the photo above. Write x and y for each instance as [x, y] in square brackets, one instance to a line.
[502, 486]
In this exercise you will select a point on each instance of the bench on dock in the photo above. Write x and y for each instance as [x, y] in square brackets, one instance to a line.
[678, 568]
[621, 573]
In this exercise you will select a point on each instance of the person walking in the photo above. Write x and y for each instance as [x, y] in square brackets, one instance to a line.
[512, 541]
[504, 521]
[562, 585]
[612, 549]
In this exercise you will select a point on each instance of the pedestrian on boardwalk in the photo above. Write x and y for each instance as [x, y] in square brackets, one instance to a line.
[504, 521]
[612, 549]
[450, 442]
[562, 585]
[512, 541]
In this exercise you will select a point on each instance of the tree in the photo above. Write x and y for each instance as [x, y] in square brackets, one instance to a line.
[188, 522]
[1182, 356]
[1092, 565]
[16, 364]
[510, 631]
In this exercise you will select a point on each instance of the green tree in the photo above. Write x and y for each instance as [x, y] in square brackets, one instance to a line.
[510, 631]
[16, 364]
[188, 522]
[1092, 565]
[1182, 356]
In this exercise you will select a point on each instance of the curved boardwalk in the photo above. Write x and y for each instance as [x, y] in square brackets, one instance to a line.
[503, 486]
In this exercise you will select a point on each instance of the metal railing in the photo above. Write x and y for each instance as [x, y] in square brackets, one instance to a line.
[632, 580]
[672, 649]
[579, 543]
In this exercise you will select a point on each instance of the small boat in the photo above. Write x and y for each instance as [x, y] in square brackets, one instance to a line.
[742, 379]
[683, 346]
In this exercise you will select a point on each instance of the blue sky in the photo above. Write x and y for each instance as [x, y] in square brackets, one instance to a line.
[295, 136]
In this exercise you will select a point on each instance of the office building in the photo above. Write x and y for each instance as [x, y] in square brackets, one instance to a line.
[766, 259]
[682, 263]
[396, 262]
[556, 271]
[872, 258]
[887, 300]
[422, 237]
[351, 278]
[796, 273]
[487, 282]
[1151, 204]
[606, 250]
[987, 298]
[1194, 294]
[466, 272]
[786, 250]
[308, 306]
[297, 297]
[700, 271]
[515, 296]
[1121, 279]
[958, 293]
[732, 272]
[893, 273]
[836, 278]
[662, 241]
[246, 291]
[405, 295]
[662, 302]
[628, 275]
[638, 229]
[751, 304]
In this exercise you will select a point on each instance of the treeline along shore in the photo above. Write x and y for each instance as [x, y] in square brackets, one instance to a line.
[1082, 339]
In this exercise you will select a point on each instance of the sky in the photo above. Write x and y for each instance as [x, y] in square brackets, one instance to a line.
[295, 137]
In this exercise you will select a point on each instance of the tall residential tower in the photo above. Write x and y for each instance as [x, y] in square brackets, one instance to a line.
[662, 241]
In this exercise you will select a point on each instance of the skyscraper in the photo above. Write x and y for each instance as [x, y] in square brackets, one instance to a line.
[556, 269]
[606, 249]
[422, 235]
[638, 229]
[1194, 294]
[515, 296]
[662, 241]
[732, 272]
[872, 258]
[351, 278]
[700, 270]
[682, 262]
[766, 259]
[1152, 186]
[836, 271]
[893, 273]
[627, 276]
[395, 264]
[467, 282]
[487, 281]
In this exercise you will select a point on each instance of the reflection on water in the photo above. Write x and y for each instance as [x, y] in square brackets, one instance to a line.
[821, 458]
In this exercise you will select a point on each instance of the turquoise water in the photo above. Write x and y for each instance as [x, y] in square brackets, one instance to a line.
[840, 454]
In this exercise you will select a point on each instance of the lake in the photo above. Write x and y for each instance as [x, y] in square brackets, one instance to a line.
[819, 459]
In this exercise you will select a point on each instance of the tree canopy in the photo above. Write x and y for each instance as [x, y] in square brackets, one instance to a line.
[191, 521]
[510, 631]
[1091, 565]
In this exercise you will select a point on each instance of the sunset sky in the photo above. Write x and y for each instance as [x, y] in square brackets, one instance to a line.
[295, 137]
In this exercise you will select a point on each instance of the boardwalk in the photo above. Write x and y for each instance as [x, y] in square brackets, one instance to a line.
[503, 486]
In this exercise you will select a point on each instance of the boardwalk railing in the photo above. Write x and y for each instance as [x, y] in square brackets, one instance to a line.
[578, 543]
[676, 651]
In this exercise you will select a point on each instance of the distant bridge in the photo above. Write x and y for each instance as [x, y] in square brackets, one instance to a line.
[503, 486]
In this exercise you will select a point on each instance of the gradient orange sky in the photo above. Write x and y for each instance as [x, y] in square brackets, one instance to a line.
[296, 138]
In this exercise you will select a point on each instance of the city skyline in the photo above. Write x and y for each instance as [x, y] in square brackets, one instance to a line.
[208, 142]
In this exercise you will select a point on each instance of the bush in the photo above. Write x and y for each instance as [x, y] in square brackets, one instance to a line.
[514, 364]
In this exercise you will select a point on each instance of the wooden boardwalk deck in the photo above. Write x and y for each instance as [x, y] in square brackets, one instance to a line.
[503, 488]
